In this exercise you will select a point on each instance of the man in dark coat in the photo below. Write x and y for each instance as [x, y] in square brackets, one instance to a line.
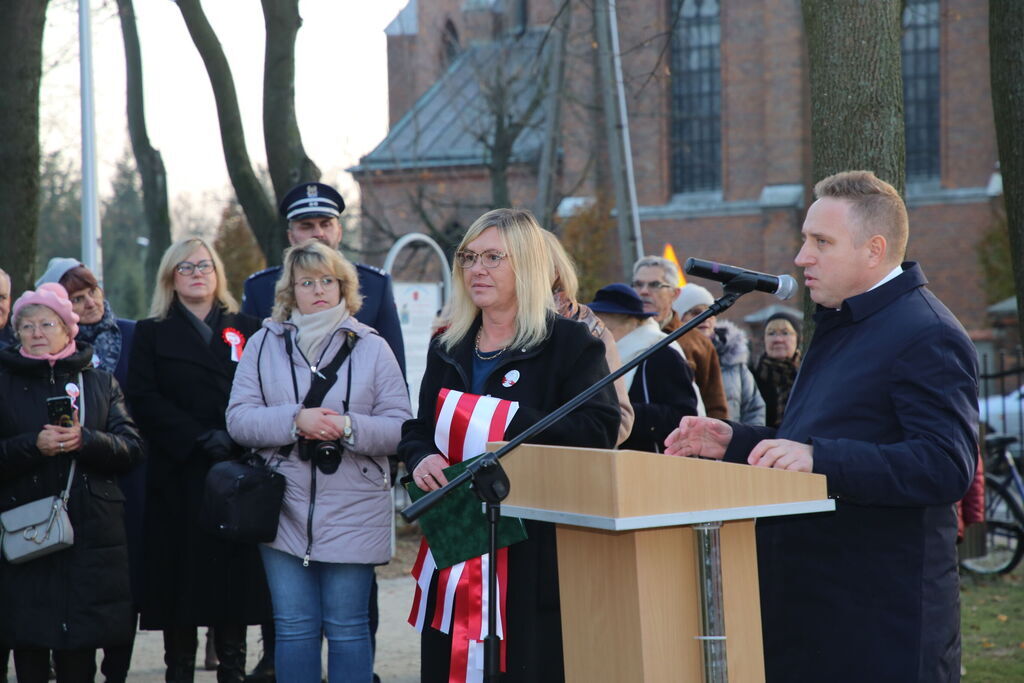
[886, 407]
[312, 211]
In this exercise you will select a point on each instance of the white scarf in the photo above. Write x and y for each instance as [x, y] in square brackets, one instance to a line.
[639, 340]
[315, 328]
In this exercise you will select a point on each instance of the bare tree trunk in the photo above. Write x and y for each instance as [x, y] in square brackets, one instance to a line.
[259, 210]
[147, 159]
[856, 88]
[286, 156]
[856, 93]
[1006, 54]
[21, 58]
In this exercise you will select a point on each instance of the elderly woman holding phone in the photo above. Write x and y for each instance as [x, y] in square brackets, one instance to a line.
[94, 441]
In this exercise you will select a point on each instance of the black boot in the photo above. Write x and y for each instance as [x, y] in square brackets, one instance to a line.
[180, 654]
[264, 670]
[230, 644]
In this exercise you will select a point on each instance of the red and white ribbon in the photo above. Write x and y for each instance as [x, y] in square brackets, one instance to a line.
[464, 423]
[236, 340]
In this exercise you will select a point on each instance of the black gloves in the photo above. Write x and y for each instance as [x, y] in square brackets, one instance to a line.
[217, 445]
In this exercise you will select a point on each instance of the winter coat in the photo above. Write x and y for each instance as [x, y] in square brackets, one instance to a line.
[78, 597]
[568, 361]
[971, 508]
[582, 313]
[178, 388]
[888, 398]
[661, 389]
[707, 371]
[133, 484]
[741, 392]
[351, 509]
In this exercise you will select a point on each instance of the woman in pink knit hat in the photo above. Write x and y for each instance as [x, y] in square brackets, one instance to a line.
[77, 599]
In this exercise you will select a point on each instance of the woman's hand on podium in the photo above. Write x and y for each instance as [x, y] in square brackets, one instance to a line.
[429, 474]
[699, 436]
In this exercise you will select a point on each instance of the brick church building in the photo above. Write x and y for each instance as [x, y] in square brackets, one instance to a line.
[488, 103]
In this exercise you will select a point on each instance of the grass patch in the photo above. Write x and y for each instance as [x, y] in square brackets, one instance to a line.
[992, 627]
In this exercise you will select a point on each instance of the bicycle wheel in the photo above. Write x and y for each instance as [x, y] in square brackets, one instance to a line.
[1004, 532]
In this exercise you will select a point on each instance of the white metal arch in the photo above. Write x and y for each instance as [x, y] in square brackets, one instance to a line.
[413, 237]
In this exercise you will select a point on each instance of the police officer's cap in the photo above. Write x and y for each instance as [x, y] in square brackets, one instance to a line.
[311, 199]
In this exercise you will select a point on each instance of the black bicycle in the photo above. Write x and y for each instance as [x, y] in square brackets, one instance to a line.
[1004, 518]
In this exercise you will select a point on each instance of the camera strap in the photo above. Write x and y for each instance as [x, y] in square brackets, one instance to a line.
[324, 378]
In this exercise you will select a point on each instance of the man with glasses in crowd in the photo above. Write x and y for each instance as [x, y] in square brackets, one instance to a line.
[312, 211]
[656, 280]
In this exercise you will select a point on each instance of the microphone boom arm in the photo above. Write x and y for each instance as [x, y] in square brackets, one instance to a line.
[734, 289]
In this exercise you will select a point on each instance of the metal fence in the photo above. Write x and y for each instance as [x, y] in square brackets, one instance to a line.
[1000, 394]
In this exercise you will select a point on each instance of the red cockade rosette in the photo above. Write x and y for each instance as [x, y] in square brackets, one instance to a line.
[236, 340]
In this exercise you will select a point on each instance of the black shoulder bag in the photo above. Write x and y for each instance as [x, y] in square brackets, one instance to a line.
[242, 498]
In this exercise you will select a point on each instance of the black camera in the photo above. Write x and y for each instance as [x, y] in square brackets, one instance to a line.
[326, 455]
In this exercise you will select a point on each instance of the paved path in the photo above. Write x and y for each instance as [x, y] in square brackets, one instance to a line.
[398, 645]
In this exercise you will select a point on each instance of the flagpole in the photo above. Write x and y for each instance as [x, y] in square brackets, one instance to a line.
[92, 253]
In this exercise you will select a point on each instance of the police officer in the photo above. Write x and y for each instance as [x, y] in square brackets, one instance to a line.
[312, 211]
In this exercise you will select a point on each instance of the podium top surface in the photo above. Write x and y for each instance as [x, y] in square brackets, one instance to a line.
[632, 489]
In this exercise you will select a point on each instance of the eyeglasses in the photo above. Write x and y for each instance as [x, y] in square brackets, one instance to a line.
[310, 283]
[187, 267]
[490, 258]
[47, 326]
[656, 285]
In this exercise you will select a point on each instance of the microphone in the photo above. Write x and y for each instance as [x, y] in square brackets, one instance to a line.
[781, 286]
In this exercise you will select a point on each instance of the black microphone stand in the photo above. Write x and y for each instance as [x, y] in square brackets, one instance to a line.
[491, 485]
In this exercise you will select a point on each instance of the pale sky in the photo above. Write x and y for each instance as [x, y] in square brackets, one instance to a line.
[341, 85]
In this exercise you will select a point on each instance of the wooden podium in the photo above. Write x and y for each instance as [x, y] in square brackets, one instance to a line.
[633, 557]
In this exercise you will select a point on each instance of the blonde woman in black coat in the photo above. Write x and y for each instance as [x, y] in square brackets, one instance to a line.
[179, 380]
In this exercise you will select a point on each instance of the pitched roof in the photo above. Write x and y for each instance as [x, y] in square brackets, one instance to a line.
[449, 124]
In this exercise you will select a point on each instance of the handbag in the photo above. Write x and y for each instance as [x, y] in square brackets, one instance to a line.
[43, 526]
[242, 498]
[38, 528]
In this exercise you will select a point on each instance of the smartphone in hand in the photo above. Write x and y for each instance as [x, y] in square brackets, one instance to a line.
[60, 411]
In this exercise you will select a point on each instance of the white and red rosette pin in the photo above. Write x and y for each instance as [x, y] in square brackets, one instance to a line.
[236, 340]
[72, 390]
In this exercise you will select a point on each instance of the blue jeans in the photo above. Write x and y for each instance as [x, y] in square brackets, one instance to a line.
[323, 598]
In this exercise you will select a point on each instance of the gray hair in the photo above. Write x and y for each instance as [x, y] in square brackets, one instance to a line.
[670, 268]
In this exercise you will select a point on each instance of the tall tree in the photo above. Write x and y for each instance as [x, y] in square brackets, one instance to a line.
[285, 153]
[148, 160]
[856, 93]
[856, 87]
[286, 156]
[21, 57]
[237, 248]
[1006, 54]
[258, 208]
[124, 276]
[59, 214]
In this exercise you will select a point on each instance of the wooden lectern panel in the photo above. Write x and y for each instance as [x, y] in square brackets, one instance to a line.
[632, 484]
[630, 608]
